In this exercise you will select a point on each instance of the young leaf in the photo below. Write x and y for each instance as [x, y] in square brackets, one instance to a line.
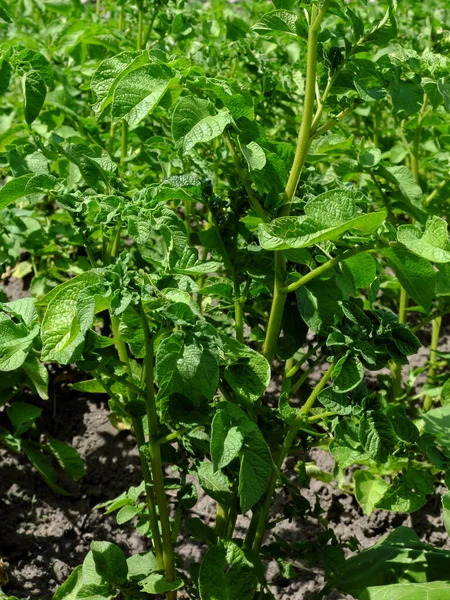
[377, 435]
[215, 483]
[255, 156]
[43, 466]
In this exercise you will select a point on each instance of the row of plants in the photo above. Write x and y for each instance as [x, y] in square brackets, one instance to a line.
[209, 201]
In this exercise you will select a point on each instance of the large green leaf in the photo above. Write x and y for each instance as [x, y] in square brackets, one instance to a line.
[226, 574]
[433, 244]
[226, 440]
[436, 590]
[110, 72]
[437, 422]
[327, 217]
[415, 274]
[377, 435]
[408, 491]
[400, 557]
[110, 562]
[207, 129]
[139, 91]
[188, 366]
[70, 314]
[34, 91]
[25, 185]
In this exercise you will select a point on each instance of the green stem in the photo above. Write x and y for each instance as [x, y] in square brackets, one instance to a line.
[150, 27]
[436, 329]
[187, 220]
[140, 27]
[151, 500]
[397, 369]
[172, 436]
[288, 441]
[124, 143]
[112, 135]
[293, 370]
[97, 7]
[222, 512]
[155, 454]
[304, 136]
[281, 291]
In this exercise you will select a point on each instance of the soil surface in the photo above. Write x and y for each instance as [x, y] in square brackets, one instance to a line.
[45, 535]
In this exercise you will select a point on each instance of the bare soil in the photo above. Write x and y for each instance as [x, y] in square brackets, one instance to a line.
[43, 536]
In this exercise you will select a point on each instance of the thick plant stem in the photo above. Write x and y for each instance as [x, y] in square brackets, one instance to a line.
[155, 455]
[397, 370]
[436, 329]
[140, 28]
[151, 501]
[304, 136]
[98, 7]
[301, 151]
[263, 513]
[124, 143]
[276, 311]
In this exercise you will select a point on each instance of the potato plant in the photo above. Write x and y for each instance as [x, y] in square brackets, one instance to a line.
[234, 220]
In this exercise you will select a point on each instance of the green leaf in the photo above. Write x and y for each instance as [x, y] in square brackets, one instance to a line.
[68, 458]
[255, 156]
[408, 492]
[400, 557]
[43, 466]
[377, 435]
[226, 441]
[110, 562]
[22, 416]
[443, 85]
[37, 374]
[334, 402]
[347, 374]
[255, 471]
[110, 72]
[140, 565]
[96, 592]
[327, 217]
[319, 303]
[5, 71]
[187, 365]
[437, 422]
[446, 511]
[34, 91]
[414, 273]
[278, 21]
[215, 483]
[88, 386]
[362, 269]
[346, 447]
[25, 186]
[436, 590]
[157, 583]
[70, 314]
[403, 177]
[287, 4]
[4, 12]
[139, 92]
[70, 588]
[225, 574]
[207, 129]
[187, 113]
[369, 489]
[433, 244]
